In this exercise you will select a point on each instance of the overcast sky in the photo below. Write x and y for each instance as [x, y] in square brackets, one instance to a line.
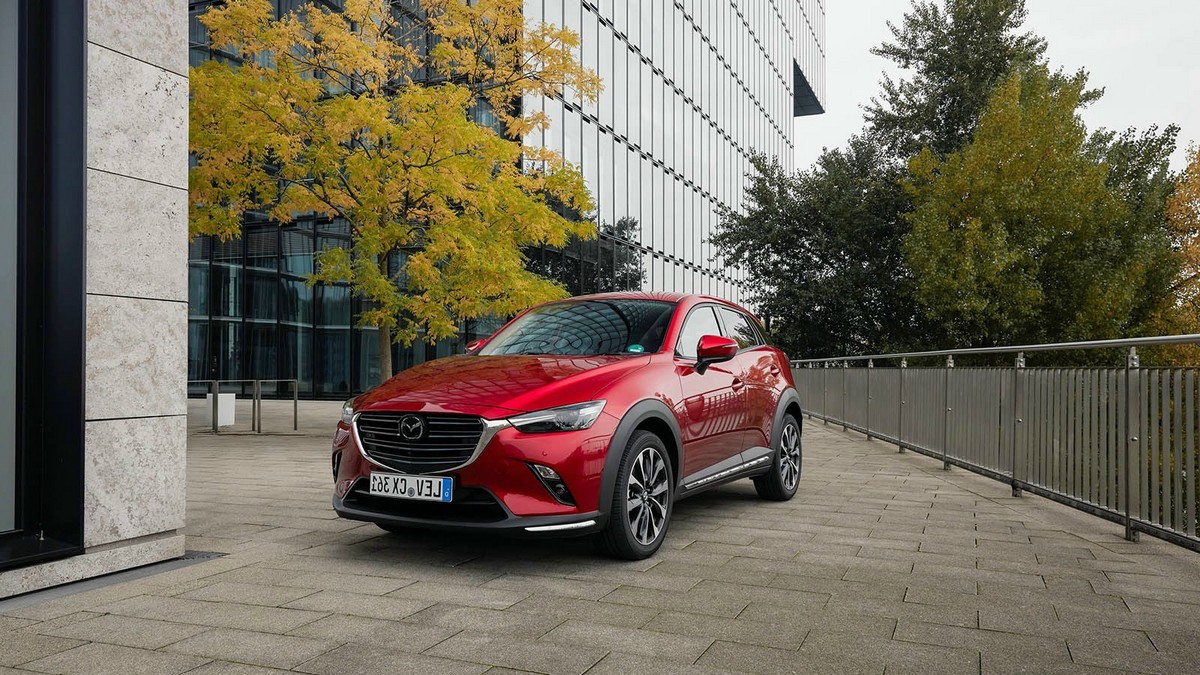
[1146, 56]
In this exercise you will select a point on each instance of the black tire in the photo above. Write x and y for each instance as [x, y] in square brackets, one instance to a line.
[634, 531]
[780, 482]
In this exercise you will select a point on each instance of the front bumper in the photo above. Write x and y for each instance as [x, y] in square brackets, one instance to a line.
[497, 491]
[577, 524]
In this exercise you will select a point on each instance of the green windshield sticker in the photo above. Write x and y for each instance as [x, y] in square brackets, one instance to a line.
[636, 349]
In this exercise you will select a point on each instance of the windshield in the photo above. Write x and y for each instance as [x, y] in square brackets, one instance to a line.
[586, 327]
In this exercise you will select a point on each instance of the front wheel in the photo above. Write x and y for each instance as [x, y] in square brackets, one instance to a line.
[780, 482]
[641, 502]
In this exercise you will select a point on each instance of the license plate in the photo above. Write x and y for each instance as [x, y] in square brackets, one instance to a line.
[427, 488]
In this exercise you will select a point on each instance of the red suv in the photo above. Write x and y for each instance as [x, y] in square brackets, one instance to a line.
[591, 415]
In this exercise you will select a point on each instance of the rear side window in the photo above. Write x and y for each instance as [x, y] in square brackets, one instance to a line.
[739, 327]
[702, 321]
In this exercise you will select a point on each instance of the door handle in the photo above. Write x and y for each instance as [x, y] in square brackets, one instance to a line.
[738, 384]
[775, 370]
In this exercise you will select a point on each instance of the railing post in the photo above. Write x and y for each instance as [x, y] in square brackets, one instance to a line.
[1018, 390]
[295, 405]
[1131, 364]
[256, 408]
[845, 424]
[946, 417]
[900, 432]
[824, 393]
[214, 387]
[870, 367]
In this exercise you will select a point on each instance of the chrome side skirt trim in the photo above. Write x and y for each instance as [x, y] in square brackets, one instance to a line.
[728, 472]
[560, 528]
[490, 429]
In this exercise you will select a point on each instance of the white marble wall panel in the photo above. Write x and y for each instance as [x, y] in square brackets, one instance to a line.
[137, 118]
[154, 31]
[136, 358]
[136, 366]
[137, 238]
[134, 478]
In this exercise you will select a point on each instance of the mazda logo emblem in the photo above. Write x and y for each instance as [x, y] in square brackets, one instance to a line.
[412, 428]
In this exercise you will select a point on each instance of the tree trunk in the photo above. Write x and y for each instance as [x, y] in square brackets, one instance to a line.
[385, 333]
[385, 353]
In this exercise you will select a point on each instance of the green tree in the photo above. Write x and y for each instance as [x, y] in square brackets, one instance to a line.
[370, 115]
[823, 247]
[1019, 237]
[822, 250]
[1139, 173]
[958, 51]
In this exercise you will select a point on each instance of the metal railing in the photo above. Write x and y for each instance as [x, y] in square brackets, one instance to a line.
[214, 387]
[1077, 435]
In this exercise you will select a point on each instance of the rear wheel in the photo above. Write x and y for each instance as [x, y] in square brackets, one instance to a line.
[780, 482]
[641, 502]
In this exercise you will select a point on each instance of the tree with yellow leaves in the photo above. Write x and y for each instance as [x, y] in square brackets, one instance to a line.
[405, 120]
[1183, 216]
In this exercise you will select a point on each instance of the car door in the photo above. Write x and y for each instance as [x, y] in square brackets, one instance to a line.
[712, 408]
[757, 366]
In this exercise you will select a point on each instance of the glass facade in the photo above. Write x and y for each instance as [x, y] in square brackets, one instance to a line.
[9, 186]
[691, 90]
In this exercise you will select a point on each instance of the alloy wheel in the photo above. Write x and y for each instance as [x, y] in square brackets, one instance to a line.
[789, 456]
[646, 499]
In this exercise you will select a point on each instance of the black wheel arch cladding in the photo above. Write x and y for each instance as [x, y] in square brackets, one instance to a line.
[649, 410]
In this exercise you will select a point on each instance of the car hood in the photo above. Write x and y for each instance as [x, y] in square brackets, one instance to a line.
[504, 384]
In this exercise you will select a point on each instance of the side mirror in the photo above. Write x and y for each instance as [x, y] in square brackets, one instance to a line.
[476, 346]
[714, 349]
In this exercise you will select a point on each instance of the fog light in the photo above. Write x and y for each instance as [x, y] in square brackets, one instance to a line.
[337, 462]
[553, 483]
[545, 472]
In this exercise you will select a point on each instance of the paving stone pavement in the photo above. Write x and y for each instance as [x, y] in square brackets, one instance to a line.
[882, 563]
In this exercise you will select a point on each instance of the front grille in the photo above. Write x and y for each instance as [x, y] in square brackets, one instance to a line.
[470, 505]
[446, 442]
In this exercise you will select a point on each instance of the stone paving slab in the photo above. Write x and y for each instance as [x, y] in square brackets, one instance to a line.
[883, 563]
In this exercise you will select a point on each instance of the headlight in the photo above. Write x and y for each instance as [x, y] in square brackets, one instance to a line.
[566, 418]
[348, 412]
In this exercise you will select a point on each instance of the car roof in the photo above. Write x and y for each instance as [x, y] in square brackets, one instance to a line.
[664, 297]
[652, 295]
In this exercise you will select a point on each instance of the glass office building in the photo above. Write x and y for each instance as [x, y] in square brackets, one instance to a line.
[691, 90]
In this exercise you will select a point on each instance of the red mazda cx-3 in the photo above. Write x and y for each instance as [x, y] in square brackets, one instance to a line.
[591, 415]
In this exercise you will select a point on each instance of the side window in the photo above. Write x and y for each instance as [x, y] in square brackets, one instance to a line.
[739, 327]
[702, 321]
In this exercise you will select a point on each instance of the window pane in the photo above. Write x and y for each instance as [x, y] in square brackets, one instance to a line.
[197, 287]
[700, 322]
[738, 327]
[198, 366]
[8, 263]
[297, 302]
[333, 359]
[263, 295]
[297, 251]
[296, 355]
